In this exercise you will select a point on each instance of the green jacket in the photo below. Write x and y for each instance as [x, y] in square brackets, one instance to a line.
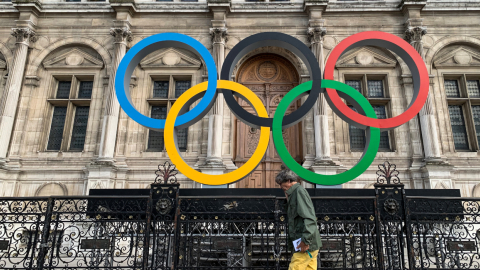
[302, 221]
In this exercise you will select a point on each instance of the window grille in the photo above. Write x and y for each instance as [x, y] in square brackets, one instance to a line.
[79, 130]
[356, 84]
[160, 89]
[85, 90]
[357, 136]
[155, 138]
[473, 87]
[181, 87]
[457, 121]
[63, 90]
[451, 88]
[375, 88]
[382, 114]
[476, 120]
[56, 129]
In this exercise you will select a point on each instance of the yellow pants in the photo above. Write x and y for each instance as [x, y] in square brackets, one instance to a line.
[302, 261]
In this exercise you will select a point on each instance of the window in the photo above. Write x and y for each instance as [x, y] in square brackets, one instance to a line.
[166, 89]
[463, 98]
[373, 87]
[71, 106]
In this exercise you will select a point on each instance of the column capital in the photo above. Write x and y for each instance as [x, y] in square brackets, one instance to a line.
[24, 35]
[219, 35]
[316, 34]
[121, 35]
[415, 34]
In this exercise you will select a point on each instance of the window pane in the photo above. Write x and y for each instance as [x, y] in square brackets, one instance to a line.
[181, 87]
[458, 127]
[85, 90]
[476, 120]
[160, 89]
[357, 136]
[155, 138]
[63, 90]
[182, 137]
[375, 88]
[473, 87]
[79, 128]
[357, 84]
[451, 88]
[56, 130]
[381, 114]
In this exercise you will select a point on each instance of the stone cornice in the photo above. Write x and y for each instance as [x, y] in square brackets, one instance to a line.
[124, 5]
[33, 6]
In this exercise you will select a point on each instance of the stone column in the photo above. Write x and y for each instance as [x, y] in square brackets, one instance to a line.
[9, 100]
[323, 163]
[121, 36]
[431, 144]
[322, 136]
[214, 162]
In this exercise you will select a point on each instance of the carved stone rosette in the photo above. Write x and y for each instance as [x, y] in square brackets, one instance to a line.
[24, 35]
[316, 34]
[121, 35]
[219, 35]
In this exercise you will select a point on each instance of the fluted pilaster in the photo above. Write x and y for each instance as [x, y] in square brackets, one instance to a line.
[112, 107]
[215, 121]
[322, 136]
[414, 35]
[9, 101]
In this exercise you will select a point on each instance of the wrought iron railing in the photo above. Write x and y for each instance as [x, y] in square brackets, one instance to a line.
[162, 230]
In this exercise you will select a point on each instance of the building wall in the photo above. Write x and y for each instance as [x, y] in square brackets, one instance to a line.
[65, 30]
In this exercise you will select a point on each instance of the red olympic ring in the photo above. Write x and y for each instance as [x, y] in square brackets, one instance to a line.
[389, 123]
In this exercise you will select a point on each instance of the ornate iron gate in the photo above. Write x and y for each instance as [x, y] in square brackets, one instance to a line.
[386, 231]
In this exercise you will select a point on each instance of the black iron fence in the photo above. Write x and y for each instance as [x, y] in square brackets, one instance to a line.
[162, 230]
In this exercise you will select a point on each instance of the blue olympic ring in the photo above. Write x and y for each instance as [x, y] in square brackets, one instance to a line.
[148, 45]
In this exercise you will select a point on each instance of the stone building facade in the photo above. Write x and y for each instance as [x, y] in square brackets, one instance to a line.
[62, 131]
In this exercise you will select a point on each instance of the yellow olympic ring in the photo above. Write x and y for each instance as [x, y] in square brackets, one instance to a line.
[230, 177]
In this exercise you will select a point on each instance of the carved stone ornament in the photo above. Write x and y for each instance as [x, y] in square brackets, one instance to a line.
[24, 35]
[163, 206]
[391, 206]
[121, 35]
[267, 70]
[316, 34]
[219, 35]
[415, 34]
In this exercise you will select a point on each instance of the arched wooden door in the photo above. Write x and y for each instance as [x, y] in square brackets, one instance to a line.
[270, 76]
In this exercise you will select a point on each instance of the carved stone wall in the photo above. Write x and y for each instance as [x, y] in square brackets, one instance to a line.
[79, 43]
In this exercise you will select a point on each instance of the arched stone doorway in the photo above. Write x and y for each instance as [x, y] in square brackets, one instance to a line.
[270, 76]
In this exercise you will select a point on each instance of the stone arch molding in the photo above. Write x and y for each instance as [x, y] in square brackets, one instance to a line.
[61, 185]
[32, 69]
[296, 62]
[442, 43]
[5, 51]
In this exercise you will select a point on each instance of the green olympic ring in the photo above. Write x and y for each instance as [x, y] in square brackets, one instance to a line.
[372, 134]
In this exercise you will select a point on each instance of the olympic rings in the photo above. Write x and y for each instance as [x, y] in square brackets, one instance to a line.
[208, 179]
[372, 134]
[279, 40]
[410, 56]
[146, 46]
[178, 117]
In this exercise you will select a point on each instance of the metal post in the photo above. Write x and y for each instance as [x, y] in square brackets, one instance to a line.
[45, 234]
[146, 240]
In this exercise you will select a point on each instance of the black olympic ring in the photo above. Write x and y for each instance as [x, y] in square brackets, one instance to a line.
[278, 40]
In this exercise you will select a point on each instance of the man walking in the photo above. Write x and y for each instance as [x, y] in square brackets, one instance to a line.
[302, 222]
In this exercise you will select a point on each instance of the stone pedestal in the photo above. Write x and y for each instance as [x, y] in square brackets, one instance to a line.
[434, 175]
